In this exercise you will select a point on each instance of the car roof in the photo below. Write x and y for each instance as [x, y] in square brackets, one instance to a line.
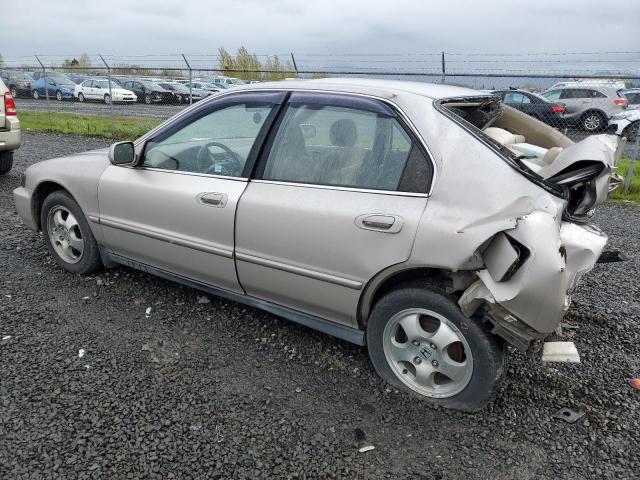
[359, 85]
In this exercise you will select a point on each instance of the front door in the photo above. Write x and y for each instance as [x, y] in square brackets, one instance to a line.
[177, 211]
[337, 198]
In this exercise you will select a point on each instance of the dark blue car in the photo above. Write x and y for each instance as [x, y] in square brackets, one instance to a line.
[60, 88]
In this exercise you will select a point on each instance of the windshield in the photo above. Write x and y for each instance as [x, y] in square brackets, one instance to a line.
[151, 85]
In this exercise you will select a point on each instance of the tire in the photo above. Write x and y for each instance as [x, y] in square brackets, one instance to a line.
[631, 131]
[107, 98]
[147, 99]
[65, 230]
[14, 91]
[592, 122]
[480, 359]
[36, 95]
[81, 97]
[6, 162]
[59, 95]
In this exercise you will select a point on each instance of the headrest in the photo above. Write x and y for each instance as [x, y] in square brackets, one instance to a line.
[502, 136]
[551, 155]
[343, 133]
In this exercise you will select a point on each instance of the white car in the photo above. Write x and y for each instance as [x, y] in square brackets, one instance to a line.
[99, 90]
[625, 124]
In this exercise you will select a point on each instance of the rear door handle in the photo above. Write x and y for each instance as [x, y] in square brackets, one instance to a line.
[379, 222]
[213, 199]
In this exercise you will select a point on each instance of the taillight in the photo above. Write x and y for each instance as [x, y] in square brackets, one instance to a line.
[9, 104]
[621, 102]
[557, 108]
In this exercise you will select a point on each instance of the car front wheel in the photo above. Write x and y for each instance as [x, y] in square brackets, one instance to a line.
[67, 234]
[80, 97]
[14, 92]
[36, 95]
[107, 99]
[419, 341]
[59, 95]
[147, 99]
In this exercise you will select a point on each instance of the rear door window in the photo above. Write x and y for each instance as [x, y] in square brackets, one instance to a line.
[340, 146]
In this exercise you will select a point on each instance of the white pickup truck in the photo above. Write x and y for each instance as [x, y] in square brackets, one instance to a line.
[10, 137]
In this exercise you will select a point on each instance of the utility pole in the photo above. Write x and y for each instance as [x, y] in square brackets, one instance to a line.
[295, 66]
[443, 69]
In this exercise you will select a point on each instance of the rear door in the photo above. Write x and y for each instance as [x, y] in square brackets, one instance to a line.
[177, 212]
[337, 198]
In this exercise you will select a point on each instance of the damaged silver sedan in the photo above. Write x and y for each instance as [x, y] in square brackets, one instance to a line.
[428, 222]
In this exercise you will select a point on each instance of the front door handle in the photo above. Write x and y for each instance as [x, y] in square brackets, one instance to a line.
[213, 199]
[380, 222]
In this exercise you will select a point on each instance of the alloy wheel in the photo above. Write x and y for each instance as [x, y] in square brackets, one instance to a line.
[428, 353]
[59, 95]
[592, 122]
[65, 234]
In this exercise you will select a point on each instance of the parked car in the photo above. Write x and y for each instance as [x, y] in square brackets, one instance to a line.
[148, 92]
[38, 74]
[396, 215]
[207, 87]
[10, 136]
[181, 93]
[588, 108]
[626, 124]
[60, 88]
[18, 83]
[99, 90]
[633, 97]
[534, 105]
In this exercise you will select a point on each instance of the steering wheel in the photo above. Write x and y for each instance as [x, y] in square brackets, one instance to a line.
[234, 158]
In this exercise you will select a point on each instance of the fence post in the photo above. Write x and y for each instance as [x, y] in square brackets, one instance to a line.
[190, 79]
[443, 69]
[632, 161]
[46, 88]
[113, 120]
[295, 66]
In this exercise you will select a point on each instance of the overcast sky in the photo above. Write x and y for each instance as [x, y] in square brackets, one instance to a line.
[123, 27]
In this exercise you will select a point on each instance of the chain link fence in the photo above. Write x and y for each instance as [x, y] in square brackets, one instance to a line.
[123, 97]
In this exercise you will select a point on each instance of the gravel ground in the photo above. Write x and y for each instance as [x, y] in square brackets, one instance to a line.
[207, 388]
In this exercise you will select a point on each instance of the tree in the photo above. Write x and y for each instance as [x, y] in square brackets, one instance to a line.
[246, 66]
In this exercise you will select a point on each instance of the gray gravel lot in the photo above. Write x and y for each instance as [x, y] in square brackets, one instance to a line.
[139, 110]
[207, 388]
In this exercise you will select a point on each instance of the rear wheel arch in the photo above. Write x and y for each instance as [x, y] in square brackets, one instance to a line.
[395, 278]
[603, 116]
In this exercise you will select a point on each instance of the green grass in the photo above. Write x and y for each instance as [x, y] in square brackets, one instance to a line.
[633, 194]
[126, 128]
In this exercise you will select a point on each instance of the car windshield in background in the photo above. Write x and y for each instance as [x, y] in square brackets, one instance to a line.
[151, 85]
[540, 97]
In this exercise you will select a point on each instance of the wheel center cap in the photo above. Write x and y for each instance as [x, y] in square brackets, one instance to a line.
[425, 352]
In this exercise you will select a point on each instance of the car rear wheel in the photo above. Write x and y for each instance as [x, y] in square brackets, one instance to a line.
[36, 95]
[81, 97]
[59, 95]
[6, 162]
[14, 91]
[419, 341]
[631, 131]
[107, 98]
[592, 121]
[67, 234]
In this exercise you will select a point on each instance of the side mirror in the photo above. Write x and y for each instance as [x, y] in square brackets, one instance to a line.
[122, 154]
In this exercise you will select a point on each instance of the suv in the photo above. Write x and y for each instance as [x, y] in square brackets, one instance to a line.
[551, 113]
[588, 107]
[17, 82]
[9, 129]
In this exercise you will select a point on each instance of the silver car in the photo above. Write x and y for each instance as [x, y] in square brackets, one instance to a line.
[427, 222]
[588, 107]
[10, 134]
